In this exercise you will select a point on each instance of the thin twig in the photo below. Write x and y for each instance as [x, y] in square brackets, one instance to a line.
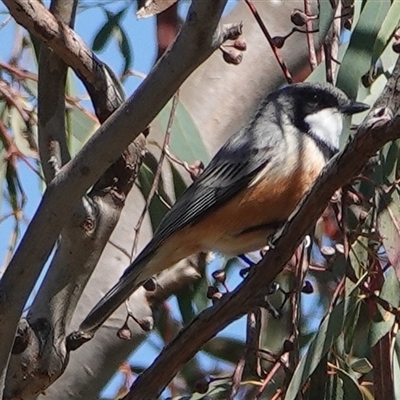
[300, 273]
[12, 149]
[5, 22]
[275, 50]
[268, 378]
[157, 175]
[236, 378]
[310, 38]
[22, 75]
[331, 45]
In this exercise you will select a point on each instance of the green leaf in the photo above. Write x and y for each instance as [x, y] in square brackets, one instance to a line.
[361, 365]
[326, 14]
[225, 348]
[351, 389]
[106, 32]
[185, 304]
[145, 179]
[125, 48]
[20, 130]
[389, 161]
[81, 125]
[185, 141]
[357, 59]
[179, 184]
[359, 256]
[335, 389]
[383, 323]
[396, 365]
[13, 187]
[391, 289]
[328, 332]
[386, 31]
[389, 226]
[217, 390]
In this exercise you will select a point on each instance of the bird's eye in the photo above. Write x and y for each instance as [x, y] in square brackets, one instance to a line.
[313, 100]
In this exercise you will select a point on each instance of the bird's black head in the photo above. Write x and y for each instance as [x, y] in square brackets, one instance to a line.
[316, 109]
[310, 98]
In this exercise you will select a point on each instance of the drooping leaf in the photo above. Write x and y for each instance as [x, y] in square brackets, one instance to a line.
[385, 33]
[329, 330]
[359, 256]
[185, 140]
[351, 389]
[105, 33]
[179, 184]
[185, 304]
[389, 157]
[389, 226]
[357, 60]
[19, 129]
[384, 321]
[396, 365]
[217, 390]
[124, 47]
[145, 179]
[326, 14]
[81, 125]
[225, 348]
[361, 365]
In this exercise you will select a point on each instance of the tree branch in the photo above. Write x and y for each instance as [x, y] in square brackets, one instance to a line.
[53, 149]
[197, 40]
[96, 361]
[378, 129]
[40, 354]
[70, 48]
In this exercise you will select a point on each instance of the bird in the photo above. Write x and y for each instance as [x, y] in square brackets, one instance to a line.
[249, 188]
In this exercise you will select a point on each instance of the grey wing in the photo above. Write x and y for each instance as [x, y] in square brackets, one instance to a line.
[231, 170]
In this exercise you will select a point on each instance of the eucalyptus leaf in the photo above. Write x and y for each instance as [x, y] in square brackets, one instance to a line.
[217, 390]
[185, 140]
[357, 60]
[145, 180]
[125, 48]
[225, 348]
[361, 365]
[389, 226]
[326, 14]
[351, 389]
[329, 330]
[106, 32]
[386, 31]
[384, 323]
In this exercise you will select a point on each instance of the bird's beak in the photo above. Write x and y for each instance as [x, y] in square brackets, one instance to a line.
[354, 107]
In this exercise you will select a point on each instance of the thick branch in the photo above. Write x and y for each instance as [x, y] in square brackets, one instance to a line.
[371, 136]
[52, 76]
[197, 40]
[41, 354]
[70, 48]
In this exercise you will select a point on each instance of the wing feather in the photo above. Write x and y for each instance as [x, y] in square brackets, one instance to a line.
[231, 170]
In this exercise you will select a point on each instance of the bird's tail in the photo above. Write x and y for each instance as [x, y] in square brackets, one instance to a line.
[128, 283]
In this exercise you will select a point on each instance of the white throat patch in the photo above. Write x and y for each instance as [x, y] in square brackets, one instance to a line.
[326, 125]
